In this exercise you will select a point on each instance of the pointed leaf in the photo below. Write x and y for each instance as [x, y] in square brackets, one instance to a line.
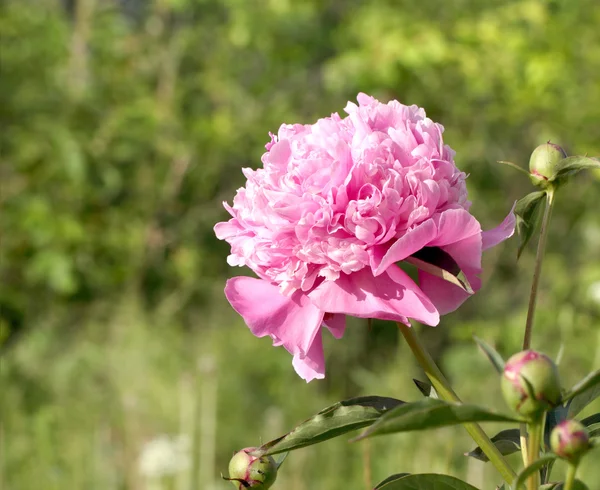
[430, 413]
[491, 353]
[528, 211]
[390, 479]
[591, 420]
[571, 165]
[507, 441]
[583, 393]
[426, 388]
[531, 469]
[425, 481]
[333, 421]
[280, 458]
[436, 262]
[515, 166]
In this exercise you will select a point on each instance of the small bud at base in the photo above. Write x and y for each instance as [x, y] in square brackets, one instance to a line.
[570, 440]
[543, 160]
[530, 383]
[249, 471]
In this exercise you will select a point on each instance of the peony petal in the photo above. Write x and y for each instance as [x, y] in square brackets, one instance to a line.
[411, 242]
[336, 323]
[454, 225]
[444, 295]
[292, 322]
[504, 230]
[312, 365]
[391, 296]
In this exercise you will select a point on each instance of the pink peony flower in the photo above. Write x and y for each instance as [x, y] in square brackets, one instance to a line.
[335, 207]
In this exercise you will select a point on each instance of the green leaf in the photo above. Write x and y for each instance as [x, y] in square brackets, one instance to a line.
[390, 479]
[491, 353]
[572, 165]
[280, 458]
[431, 413]
[436, 262]
[577, 485]
[333, 421]
[426, 388]
[528, 211]
[591, 420]
[583, 393]
[531, 469]
[515, 166]
[507, 441]
[424, 481]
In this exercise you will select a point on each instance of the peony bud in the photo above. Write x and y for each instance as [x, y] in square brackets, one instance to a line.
[543, 160]
[249, 471]
[530, 383]
[570, 440]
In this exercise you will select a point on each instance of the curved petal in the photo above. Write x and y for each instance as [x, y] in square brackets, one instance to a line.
[335, 323]
[391, 296]
[504, 230]
[293, 322]
[453, 226]
[444, 295]
[312, 365]
[413, 241]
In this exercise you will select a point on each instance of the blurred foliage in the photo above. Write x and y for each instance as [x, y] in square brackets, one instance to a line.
[124, 125]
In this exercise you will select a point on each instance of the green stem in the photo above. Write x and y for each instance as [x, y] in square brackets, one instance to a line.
[537, 272]
[536, 428]
[570, 480]
[444, 390]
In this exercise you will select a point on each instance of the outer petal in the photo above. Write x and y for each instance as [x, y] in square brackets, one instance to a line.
[504, 230]
[408, 244]
[312, 365]
[336, 323]
[292, 322]
[391, 296]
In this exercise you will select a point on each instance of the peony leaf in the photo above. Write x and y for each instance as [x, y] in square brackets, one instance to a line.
[431, 413]
[424, 481]
[507, 441]
[436, 262]
[491, 353]
[571, 165]
[531, 469]
[528, 211]
[577, 485]
[426, 388]
[583, 393]
[333, 421]
[515, 166]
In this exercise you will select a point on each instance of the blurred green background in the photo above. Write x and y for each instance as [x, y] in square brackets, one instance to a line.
[124, 125]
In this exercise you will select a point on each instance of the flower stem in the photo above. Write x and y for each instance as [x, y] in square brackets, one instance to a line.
[443, 388]
[570, 479]
[535, 438]
[538, 269]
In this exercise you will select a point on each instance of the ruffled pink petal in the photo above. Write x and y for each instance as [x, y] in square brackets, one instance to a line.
[293, 322]
[336, 324]
[391, 296]
[444, 295]
[453, 226]
[312, 365]
[504, 230]
[413, 241]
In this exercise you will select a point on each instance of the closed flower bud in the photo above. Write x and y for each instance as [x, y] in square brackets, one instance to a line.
[249, 471]
[544, 159]
[570, 440]
[530, 383]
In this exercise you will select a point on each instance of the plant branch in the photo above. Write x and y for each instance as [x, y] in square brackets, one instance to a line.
[444, 390]
[536, 428]
[538, 269]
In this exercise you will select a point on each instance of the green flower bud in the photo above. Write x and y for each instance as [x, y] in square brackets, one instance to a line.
[543, 161]
[530, 383]
[570, 440]
[249, 471]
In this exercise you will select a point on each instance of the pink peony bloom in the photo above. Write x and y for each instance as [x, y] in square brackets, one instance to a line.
[335, 207]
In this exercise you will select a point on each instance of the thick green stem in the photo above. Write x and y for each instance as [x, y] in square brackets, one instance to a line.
[444, 390]
[536, 428]
[537, 272]
[570, 479]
